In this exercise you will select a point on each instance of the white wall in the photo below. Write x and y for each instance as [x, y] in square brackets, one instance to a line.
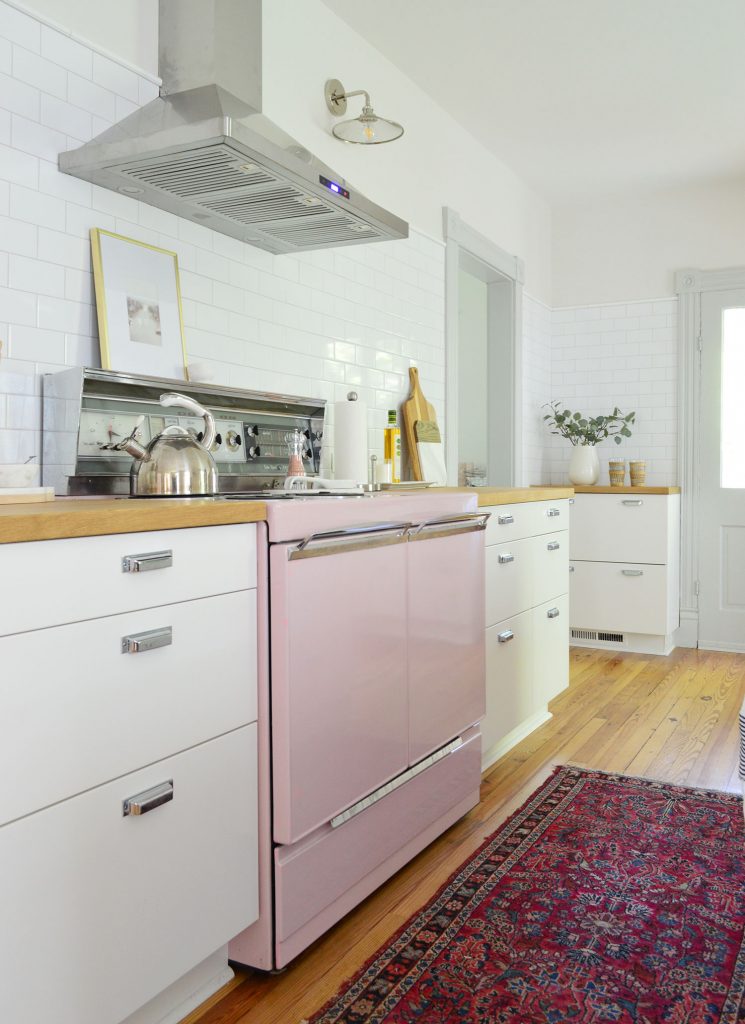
[128, 29]
[473, 376]
[436, 163]
[617, 249]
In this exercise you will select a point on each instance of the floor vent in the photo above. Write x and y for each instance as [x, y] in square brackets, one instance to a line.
[596, 634]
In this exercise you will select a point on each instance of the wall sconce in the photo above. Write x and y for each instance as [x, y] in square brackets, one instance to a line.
[368, 129]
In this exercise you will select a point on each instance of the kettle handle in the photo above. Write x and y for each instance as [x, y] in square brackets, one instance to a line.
[173, 398]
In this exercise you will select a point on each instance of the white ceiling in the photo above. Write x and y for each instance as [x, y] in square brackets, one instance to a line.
[581, 98]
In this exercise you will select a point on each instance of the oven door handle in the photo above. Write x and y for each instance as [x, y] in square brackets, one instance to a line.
[446, 526]
[353, 538]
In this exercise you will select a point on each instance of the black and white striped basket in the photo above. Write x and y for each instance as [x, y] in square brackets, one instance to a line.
[742, 742]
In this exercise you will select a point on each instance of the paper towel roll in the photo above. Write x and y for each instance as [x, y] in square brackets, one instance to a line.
[350, 440]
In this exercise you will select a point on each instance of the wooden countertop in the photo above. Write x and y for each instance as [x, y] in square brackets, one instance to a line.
[627, 490]
[90, 517]
[511, 495]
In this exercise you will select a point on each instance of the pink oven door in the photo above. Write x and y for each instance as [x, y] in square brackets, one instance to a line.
[446, 640]
[339, 707]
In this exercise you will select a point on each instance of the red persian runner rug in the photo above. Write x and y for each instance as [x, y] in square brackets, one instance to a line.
[603, 899]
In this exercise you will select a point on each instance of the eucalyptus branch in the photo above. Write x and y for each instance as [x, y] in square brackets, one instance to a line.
[588, 430]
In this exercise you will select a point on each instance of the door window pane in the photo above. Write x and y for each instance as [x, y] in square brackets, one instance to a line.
[733, 398]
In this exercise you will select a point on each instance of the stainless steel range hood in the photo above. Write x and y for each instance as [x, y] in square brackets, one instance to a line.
[204, 150]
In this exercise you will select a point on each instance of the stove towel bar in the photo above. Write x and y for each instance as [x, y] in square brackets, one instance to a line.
[353, 538]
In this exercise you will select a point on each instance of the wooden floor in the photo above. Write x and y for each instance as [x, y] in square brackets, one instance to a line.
[673, 719]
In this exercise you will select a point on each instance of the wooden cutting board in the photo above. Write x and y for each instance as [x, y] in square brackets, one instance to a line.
[416, 408]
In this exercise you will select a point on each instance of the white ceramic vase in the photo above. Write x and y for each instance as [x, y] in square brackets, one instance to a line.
[584, 465]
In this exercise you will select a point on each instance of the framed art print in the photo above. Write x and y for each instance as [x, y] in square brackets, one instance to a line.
[138, 299]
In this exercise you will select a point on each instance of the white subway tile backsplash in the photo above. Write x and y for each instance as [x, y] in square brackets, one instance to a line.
[631, 362]
[38, 71]
[17, 167]
[37, 139]
[36, 208]
[68, 53]
[17, 27]
[36, 345]
[32, 275]
[67, 250]
[66, 117]
[18, 237]
[19, 98]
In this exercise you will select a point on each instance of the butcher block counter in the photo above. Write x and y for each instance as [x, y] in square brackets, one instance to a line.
[91, 517]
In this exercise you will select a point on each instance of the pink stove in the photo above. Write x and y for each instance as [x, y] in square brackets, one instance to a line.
[371, 691]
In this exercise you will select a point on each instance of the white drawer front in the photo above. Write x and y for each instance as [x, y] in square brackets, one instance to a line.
[78, 712]
[551, 643]
[550, 565]
[621, 528]
[619, 597]
[56, 581]
[526, 519]
[509, 579]
[114, 909]
[509, 677]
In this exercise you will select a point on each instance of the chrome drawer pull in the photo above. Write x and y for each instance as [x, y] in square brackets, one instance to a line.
[571, 501]
[504, 559]
[504, 637]
[150, 640]
[571, 568]
[633, 501]
[552, 613]
[553, 512]
[505, 520]
[148, 561]
[553, 546]
[148, 799]
[632, 572]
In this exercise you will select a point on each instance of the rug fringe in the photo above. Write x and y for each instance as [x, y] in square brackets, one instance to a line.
[647, 778]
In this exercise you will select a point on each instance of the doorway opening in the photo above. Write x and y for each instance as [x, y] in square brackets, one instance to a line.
[483, 439]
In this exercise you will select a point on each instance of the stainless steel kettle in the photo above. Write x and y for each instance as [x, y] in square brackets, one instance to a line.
[175, 464]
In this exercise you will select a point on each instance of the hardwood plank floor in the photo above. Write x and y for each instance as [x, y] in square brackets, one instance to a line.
[673, 719]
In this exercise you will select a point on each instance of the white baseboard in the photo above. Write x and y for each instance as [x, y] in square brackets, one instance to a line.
[708, 645]
[686, 635]
[179, 999]
[513, 738]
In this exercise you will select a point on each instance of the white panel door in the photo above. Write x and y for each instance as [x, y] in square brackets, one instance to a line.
[721, 505]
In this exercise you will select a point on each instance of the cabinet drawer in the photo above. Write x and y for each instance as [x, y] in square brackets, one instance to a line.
[550, 566]
[509, 579]
[57, 581]
[509, 677]
[319, 879]
[551, 644]
[77, 711]
[623, 527]
[112, 909]
[619, 597]
[526, 519]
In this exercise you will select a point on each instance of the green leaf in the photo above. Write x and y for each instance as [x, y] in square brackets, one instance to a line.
[617, 439]
[625, 431]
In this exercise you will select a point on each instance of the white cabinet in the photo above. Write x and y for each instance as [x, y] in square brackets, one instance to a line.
[114, 683]
[625, 571]
[527, 646]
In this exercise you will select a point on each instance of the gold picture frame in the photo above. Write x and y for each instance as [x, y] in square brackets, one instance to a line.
[138, 304]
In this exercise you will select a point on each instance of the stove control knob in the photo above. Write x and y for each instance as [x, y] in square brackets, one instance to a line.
[233, 440]
[252, 431]
[254, 452]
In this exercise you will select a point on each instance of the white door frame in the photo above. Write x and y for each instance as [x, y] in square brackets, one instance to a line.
[462, 239]
[690, 284]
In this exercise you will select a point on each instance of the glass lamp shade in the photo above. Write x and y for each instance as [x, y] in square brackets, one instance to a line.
[368, 129]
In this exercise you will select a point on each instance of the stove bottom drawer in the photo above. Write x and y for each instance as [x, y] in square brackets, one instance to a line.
[322, 877]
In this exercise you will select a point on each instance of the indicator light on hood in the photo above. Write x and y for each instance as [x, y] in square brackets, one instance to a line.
[333, 186]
